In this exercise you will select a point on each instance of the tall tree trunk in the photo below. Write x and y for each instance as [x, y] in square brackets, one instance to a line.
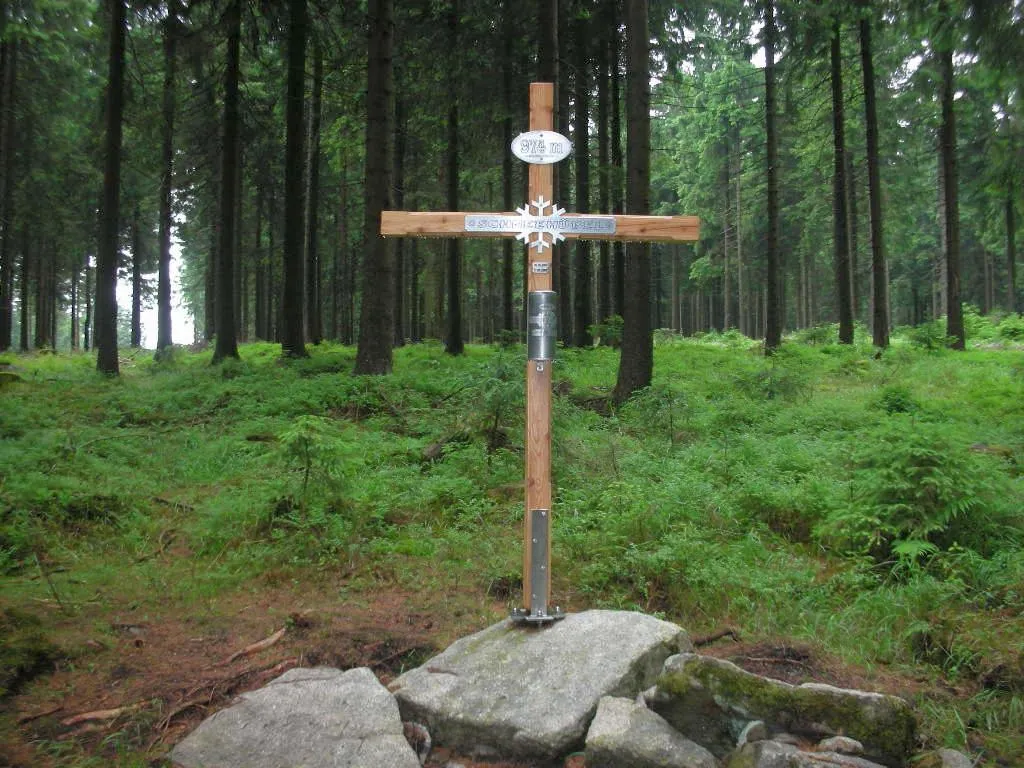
[617, 175]
[24, 277]
[773, 278]
[853, 233]
[239, 298]
[87, 327]
[110, 213]
[1011, 249]
[741, 279]
[840, 225]
[260, 278]
[73, 335]
[507, 245]
[453, 332]
[583, 309]
[879, 271]
[954, 311]
[314, 307]
[227, 342]
[376, 326]
[292, 314]
[164, 338]
[561, 263]
[40, 326]
[136, 332]
[726, 228]
[636, 365]
[604, 272]
[401, 126]
[8, 61]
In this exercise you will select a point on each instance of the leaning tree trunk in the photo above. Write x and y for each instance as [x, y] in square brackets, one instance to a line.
[773, 292]
[292, 336]
[227, 342]
[879, 271]
[636, 365]
[376, 326]
[163, 292]
[954, 311]
[840, 225]
[106, 253]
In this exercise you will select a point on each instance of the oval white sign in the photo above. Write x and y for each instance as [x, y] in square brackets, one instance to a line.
[541, 147]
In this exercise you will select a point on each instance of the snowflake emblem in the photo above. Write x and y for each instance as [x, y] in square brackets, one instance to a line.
[536, 221]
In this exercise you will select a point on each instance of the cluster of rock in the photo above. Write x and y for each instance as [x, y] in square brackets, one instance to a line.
[624, 686]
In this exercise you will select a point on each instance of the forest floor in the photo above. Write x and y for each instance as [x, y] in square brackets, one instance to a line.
[187, 532]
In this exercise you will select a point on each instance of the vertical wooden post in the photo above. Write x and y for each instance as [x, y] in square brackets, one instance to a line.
[537, 592]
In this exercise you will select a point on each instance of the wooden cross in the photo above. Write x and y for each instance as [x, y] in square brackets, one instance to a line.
[539, 224]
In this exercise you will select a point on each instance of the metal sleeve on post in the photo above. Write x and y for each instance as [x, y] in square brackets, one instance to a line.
[542, 325]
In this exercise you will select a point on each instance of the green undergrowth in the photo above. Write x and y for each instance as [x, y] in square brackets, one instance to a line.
[870, 504]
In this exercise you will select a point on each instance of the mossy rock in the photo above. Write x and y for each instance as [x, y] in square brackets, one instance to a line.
[7, 378]
[710, 700]
[25, 653]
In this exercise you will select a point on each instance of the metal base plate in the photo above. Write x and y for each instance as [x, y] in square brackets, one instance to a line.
[523, 616]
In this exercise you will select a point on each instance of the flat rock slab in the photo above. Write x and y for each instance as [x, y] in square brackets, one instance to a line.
[771, 754]
[625, 734]
[313, 718]
[523, 692]
[710, 700]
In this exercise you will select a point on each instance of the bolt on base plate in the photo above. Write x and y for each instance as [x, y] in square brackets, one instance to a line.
[524, 616]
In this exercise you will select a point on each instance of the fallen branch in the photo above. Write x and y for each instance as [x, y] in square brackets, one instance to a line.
[102, 714]
[249, 650]
[700, 642]
[35, 716]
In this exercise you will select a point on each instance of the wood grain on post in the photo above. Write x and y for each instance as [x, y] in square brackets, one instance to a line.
[658, 229]
[538, 382]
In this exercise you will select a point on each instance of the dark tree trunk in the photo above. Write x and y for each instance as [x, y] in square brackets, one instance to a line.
[24, 277]
[314, 306]
[8, 63]
[399, 202]
[42, 271]
[726, 228]
[239, 298]
[618, 204]
[260, 276]
[88, 324]
[163, 292]
[560, 260]
[840, 225]
[582, 303]
[73, 335]
[636, 365]
[227, 343]
[292, 336]
[507, 245]
[604, 272]
[416, 308]
[376, 326]
[954, 311]
[453, 333]
[136, 338]
[773, 297]
[1011, 249]
[879, 272]
[107, 250]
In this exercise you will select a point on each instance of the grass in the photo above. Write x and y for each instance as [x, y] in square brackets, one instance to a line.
[870, 506]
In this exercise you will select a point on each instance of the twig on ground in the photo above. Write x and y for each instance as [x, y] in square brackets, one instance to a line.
[102, 714]
[249, 650]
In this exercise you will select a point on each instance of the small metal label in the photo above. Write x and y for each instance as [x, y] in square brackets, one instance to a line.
[541, 267]
[541, 147]
[537, 219]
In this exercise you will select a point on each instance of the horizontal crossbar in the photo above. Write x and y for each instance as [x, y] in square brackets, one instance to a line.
[661, 229]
